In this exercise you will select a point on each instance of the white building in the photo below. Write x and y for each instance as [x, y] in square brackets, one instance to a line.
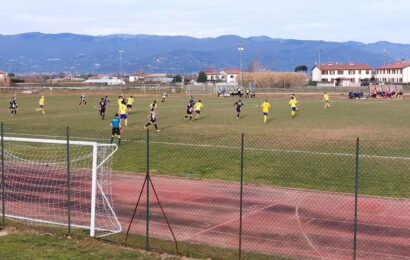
[394, 73]
[158, 78]
[213, 75]
[341, 74]
[135, 78]
[230, 75]
[2, 75]
[106, 81]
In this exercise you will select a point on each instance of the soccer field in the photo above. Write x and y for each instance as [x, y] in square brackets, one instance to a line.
[347, 119]
[315, 150]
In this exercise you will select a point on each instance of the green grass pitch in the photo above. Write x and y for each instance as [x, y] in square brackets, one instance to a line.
[312, 151]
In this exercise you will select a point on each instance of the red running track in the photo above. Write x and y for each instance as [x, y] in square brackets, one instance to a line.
[285, 222]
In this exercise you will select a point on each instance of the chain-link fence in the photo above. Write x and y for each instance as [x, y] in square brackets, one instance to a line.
[213, 195]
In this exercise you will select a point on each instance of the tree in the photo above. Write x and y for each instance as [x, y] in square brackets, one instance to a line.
[177, 79]
[301, 68]
[202, 78]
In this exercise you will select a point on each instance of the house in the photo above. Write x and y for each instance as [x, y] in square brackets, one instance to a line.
[137, 77]
[231, 75]
[4, 79]
[341, 74]
[394, 73]
[213, 75]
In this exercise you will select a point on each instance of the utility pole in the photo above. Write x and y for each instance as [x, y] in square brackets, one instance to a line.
[121, 53]
[320, 55]
[241, 49]
[385, 56]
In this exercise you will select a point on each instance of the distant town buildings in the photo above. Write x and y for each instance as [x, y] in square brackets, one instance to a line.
[394, 73]
[342, 74]
[109, 81]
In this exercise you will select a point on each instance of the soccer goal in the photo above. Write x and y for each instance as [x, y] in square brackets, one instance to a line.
[37, 187]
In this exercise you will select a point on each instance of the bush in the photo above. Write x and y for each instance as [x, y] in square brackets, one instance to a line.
[269, 79]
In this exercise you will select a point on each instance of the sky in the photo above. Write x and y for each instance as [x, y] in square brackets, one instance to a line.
[342, 20]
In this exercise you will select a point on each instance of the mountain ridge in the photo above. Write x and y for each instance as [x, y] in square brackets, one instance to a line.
[37, 52]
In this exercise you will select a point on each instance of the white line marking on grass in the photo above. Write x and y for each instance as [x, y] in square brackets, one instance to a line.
[303, 232]
[38, 116]
[234, 147]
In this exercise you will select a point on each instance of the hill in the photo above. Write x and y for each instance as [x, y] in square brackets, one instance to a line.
[51, 53]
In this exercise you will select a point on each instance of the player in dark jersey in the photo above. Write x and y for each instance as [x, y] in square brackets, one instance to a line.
[238, 105]
[13, 106]
[106, 101]
[191, 100]
[189, 111]
[103, 107]
[152, 117]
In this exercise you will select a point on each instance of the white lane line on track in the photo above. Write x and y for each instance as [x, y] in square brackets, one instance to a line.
[310, 243]
[228, 222]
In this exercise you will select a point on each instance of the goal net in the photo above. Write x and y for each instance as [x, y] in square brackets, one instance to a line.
[37, 188]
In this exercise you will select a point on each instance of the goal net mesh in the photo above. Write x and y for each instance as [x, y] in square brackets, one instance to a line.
[36, 184]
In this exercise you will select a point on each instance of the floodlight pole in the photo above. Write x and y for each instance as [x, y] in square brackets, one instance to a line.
[121, 52]
[241, 49]
[320, 55]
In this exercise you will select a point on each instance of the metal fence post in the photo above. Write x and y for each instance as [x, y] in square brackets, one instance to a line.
[3, 181]
[148, 186]
[356, 197]
[68, 182]
[241, 199]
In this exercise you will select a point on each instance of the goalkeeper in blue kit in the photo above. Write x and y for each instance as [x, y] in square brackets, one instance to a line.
[116, 128]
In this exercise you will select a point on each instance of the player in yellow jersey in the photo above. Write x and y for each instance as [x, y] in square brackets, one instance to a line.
[265, 109]
[123, 112]
[326, 99]
[293, 106]
[41, 103]
[130, 102]
[197, 107]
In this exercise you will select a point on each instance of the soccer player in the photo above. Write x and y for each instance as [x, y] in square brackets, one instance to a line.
[198, 106]
[152, 117]
[13, 106]
[189, 110]
[154, 105]
[120, 99]
[116, 129]
[106, 100]
[265, 109]
[41, 103]
[82, 100]
[238, 105]
[164, 96]
[103, 107]
[130, 102]
[293, 105]
[123, 112]
[191, 100]
[326, 99]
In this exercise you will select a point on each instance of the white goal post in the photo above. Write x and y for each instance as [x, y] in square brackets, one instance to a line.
[36, 183]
